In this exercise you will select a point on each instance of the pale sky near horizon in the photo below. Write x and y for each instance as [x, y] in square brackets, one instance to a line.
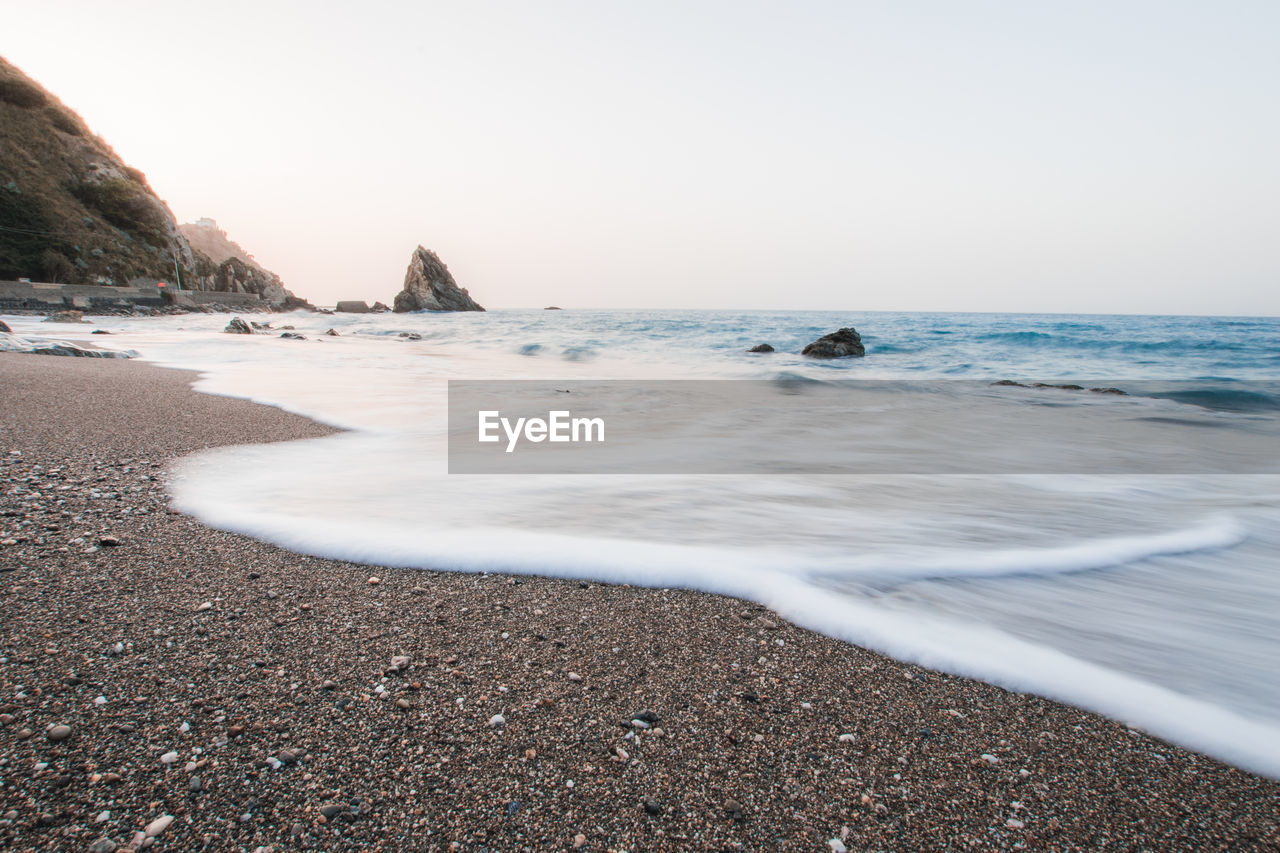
[969, 156]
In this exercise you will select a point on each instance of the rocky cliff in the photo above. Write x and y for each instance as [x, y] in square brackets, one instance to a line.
[72, 212]
[429, 286]
[222, 266]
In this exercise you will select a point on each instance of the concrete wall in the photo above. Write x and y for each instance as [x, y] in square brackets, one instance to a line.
[40, 296]
[189, 298]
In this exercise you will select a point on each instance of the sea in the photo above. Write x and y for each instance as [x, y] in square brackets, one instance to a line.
[1144, 591]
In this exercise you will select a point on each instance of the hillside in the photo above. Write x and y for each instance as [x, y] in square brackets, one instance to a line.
[70, 209]
[73, 212]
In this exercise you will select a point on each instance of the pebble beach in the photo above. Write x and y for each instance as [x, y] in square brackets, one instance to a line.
[172, 687]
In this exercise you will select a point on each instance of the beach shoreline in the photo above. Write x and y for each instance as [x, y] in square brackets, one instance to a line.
[279, 684]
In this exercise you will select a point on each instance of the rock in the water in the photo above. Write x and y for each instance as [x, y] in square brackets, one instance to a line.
[839, 344]
[4, 327]
[65, 317]
[379, 308]
[333, 333]
[552, 308]
[238, 327]
[761, 348]
[293, 336]
[429, 286]
[352, 306]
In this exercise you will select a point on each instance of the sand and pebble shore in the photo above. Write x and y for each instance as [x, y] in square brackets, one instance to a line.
[170, 686]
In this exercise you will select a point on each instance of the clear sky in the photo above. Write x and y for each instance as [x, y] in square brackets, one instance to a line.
[1118, 156]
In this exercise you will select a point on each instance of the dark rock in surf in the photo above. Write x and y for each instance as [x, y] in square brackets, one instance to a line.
[761, 348]
[844, 343]
[238, 327]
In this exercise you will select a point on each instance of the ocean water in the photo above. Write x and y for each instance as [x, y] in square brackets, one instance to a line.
[1150, 596]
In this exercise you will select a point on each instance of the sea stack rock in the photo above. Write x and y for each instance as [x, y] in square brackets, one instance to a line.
[428, 286]
[839, 344]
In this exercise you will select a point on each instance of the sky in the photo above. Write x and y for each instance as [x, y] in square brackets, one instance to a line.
[1085, 157]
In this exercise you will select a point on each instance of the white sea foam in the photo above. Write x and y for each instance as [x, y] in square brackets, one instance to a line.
[1152, 599]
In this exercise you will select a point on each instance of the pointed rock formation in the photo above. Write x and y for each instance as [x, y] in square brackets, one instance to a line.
[428, 286]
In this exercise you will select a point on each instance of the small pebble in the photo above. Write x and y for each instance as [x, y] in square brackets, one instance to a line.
[169, 757]
[497, 720]
[59, 733]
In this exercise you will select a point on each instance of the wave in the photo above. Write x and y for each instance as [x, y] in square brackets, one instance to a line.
[937, 642]
[890, 570]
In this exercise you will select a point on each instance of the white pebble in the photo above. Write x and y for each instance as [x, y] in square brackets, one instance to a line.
[40, 765]
[847, 738]
[275, 763]
[101, 700]
[806, 705]
[169, 757]
[837, 846]
[989, 758]
[158, 825]
[184, 728]
[102, 817]
[189, 767]
[573, 676]
[1014, 823]
[497, 720]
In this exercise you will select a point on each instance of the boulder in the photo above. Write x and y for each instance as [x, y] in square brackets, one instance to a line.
[843, 343]
[333, 333]
[65, 317]
[552, 308]
[429, 286]
[352, 306]
[4, 327]
[379, 308]
[238, 327]
[761, 348]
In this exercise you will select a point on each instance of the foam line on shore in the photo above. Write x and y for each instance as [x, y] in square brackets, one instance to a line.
[938, 643]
